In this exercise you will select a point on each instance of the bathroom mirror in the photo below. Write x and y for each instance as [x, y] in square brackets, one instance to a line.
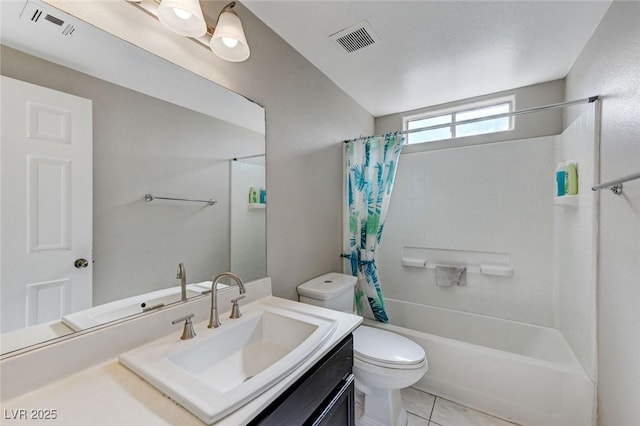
[156, 129]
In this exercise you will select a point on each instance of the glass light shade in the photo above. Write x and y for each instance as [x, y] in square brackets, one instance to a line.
[228, 29]
[183, 17]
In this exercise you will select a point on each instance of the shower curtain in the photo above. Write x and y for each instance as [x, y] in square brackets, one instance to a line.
[370, 166]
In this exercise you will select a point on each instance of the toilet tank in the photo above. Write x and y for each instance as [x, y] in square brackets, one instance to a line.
[332, 291]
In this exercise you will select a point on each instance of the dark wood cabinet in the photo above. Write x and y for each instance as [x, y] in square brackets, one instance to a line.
[338, 409]
[323, 396]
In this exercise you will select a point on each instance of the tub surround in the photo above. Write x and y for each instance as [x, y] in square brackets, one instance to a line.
[86, 369]
[537, 314]
[575, 241]
[517, 371]
[472, 215]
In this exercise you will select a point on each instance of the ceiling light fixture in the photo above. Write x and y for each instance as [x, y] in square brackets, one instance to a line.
[185, 17]
[228, 40]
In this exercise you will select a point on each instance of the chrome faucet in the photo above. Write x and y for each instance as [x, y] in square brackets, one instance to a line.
[182, 275]
[214, 321]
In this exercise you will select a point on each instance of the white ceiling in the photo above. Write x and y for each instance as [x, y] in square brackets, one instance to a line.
[432, 52]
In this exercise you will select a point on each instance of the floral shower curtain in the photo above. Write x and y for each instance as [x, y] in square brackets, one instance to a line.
[370, 165]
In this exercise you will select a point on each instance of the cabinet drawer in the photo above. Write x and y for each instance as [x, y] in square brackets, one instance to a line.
[306, 396]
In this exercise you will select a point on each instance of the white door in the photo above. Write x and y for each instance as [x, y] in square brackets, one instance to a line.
[46, 204]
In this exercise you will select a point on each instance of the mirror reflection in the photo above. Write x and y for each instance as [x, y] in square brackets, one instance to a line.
[81, 246]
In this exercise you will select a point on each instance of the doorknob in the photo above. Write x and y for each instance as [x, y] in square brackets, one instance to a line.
[81, 263]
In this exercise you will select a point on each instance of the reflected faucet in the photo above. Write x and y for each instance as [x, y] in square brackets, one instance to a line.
[214, 321]
[182, 275]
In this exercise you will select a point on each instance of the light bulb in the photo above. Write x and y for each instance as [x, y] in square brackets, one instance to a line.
[181, 13]
[183, 17]
[230, 42]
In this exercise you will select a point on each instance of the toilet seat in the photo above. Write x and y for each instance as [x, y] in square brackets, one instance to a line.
[386, 349]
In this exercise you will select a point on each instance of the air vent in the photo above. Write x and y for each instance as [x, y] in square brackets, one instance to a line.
[54, 20]
[40, 16]
[356, 37]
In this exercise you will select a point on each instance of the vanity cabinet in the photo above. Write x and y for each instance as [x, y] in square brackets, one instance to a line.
[323, 396]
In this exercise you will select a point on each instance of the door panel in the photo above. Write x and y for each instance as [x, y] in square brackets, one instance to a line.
[46, 123]
[49, 203]
[48, 301]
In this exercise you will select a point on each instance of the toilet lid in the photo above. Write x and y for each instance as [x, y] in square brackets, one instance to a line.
[327, 286]
[383, 347]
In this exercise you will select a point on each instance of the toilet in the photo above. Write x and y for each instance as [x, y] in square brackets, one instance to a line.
[384, 362]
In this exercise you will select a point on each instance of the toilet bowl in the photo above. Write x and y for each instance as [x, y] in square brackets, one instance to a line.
[384, 362]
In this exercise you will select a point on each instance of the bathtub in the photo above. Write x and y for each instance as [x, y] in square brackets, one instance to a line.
[520, 372]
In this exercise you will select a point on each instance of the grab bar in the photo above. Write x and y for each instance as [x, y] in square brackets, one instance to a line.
[615, 186]
[149, 198]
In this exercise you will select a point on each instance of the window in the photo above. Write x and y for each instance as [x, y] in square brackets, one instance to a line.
[450, 117]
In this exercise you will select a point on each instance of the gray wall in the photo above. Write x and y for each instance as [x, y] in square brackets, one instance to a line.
[307, 118]
[610, 66]
[526, 126]
[136, 245]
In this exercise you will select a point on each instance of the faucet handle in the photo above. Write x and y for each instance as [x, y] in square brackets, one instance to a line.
[235, 309]
[188, 332]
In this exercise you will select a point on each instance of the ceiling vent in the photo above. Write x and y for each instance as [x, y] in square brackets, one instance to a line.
[40, 16]
[356, 37]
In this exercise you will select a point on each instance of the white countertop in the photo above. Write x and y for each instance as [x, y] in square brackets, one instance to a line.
[110, 394]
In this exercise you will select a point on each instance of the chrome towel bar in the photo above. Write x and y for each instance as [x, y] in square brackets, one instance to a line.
[149, 198]
[615, 186]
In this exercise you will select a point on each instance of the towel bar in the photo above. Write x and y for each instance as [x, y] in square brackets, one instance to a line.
[149, 198]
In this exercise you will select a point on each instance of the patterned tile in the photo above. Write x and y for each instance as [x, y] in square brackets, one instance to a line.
[417, 402]
[447, 413]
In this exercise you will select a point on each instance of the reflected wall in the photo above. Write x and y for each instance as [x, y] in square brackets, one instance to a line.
[141, 145]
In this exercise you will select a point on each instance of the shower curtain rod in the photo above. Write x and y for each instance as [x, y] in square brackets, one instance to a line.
[588, 100]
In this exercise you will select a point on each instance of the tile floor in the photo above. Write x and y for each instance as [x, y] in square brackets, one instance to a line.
[427, 410]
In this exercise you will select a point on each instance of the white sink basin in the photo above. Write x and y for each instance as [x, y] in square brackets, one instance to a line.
[221, 369]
